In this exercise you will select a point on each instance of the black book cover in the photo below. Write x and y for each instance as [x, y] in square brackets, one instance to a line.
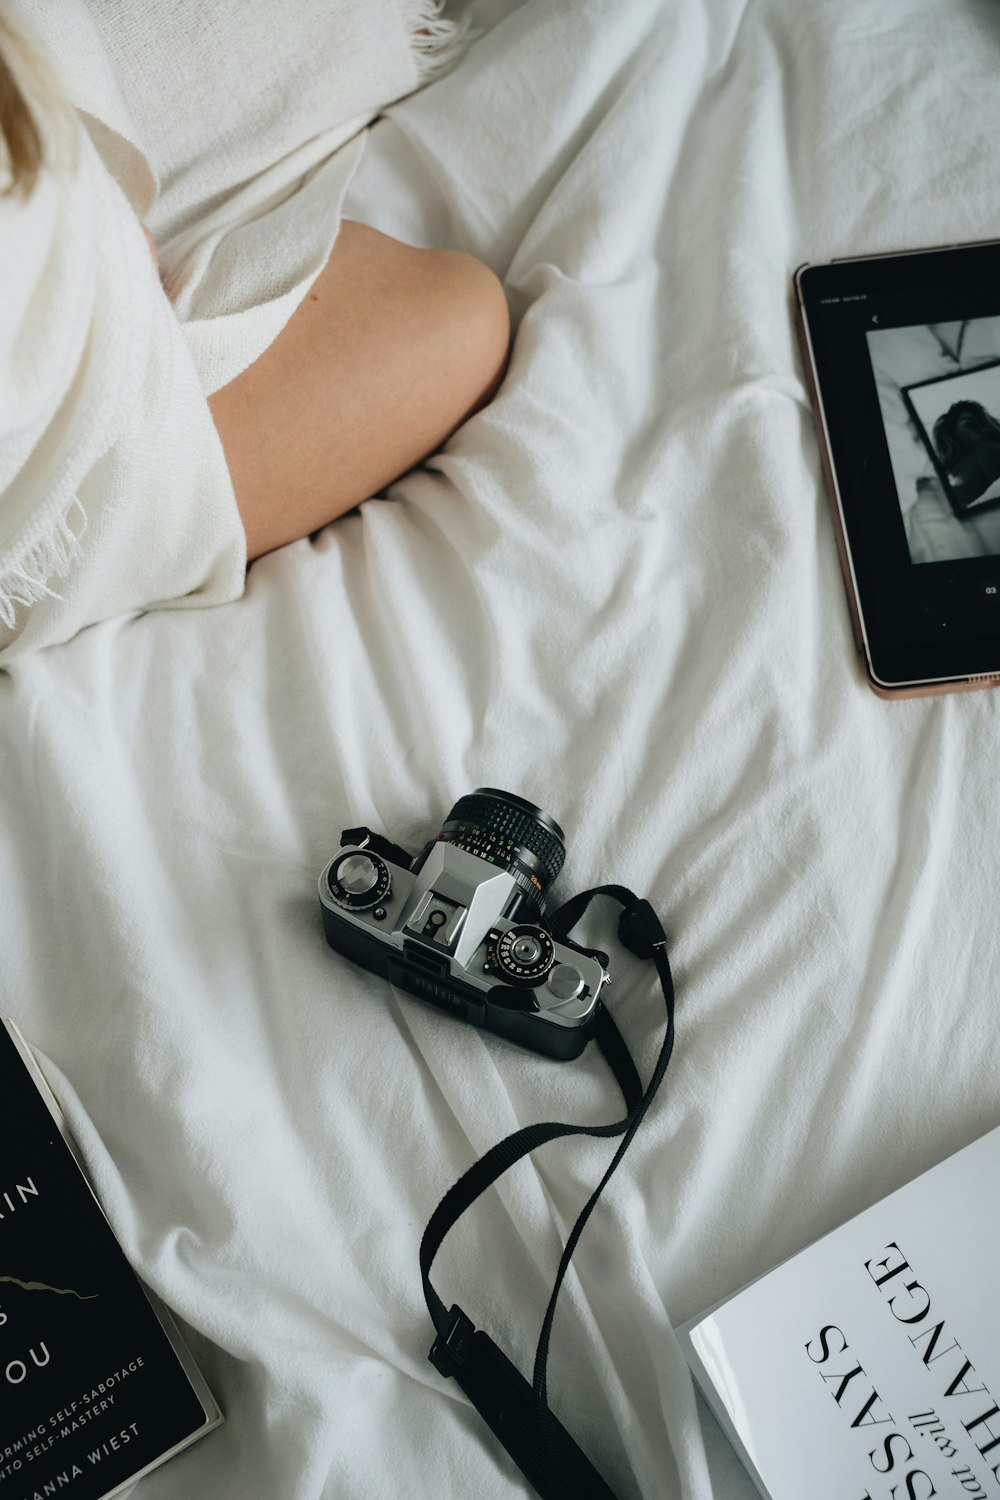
[94, 1389]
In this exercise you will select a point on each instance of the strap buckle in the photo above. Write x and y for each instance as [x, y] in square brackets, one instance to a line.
[448, 1351]
[640, 930]
[364, 838]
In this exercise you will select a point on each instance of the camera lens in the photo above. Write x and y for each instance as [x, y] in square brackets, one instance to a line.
[507, 831]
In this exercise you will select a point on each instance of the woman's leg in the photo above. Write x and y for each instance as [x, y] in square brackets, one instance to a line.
[389, 353]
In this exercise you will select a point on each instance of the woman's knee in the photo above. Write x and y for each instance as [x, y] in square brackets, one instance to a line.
[391, 351]
[468, 324]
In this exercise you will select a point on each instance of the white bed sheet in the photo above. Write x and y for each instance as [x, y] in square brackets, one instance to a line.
[616, 594]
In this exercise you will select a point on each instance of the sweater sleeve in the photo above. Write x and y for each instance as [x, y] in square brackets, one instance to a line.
[114, 492]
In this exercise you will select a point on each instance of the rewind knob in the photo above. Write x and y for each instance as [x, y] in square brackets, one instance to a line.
[358, 880]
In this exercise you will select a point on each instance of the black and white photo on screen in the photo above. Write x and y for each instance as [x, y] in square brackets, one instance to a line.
[939, 394]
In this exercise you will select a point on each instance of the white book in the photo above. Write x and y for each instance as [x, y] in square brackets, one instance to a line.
[867, 1367]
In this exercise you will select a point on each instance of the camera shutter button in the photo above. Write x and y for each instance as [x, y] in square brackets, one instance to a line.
[527, 950]
[358, 874]
[565, 982]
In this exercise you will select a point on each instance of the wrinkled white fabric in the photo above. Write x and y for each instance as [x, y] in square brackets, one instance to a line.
[616, 593]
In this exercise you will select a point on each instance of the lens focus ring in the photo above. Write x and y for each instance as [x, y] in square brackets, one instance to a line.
[511, 820]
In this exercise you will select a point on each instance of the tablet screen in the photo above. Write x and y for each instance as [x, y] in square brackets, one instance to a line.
[906, 359]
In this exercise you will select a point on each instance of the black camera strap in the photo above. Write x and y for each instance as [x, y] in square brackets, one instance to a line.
[518, 1412]
[363, 838]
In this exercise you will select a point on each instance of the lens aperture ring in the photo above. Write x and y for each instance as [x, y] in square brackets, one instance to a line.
[502, 828]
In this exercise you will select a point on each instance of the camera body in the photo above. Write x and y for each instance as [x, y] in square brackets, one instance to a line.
[462, 925]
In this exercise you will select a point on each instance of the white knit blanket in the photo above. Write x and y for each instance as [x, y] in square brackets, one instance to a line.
[234, 133]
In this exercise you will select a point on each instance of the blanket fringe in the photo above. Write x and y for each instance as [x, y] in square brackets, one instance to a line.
[435, 42]
[28, 579]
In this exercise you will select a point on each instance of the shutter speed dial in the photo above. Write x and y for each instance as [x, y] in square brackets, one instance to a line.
[524, 954]
[358, 880]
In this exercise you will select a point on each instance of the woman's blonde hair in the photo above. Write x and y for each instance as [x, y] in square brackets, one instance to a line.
[26, 84]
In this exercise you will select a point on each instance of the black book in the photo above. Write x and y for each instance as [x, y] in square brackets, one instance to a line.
[96, 1387]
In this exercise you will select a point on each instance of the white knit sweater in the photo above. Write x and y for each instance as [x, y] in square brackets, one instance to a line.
[233, 130]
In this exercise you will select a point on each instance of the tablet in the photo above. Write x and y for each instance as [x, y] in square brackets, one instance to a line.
[903, 356]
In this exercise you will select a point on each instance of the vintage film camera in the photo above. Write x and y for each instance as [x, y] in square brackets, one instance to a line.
[462, 925]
